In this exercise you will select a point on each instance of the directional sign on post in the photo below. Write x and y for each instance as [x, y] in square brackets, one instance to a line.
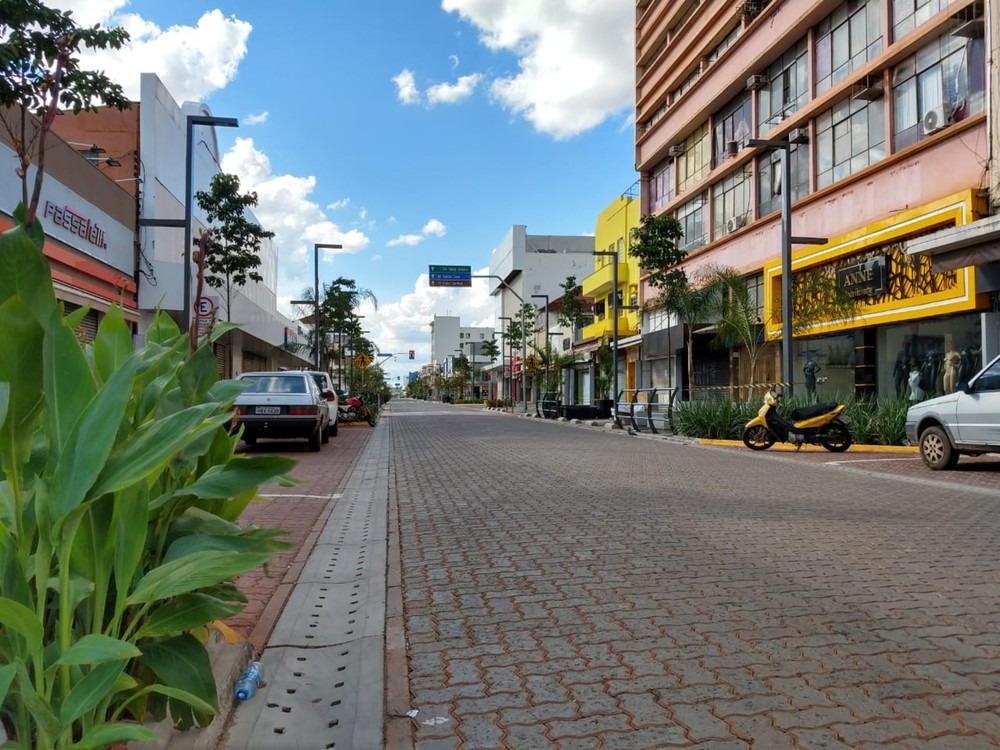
[451, 275]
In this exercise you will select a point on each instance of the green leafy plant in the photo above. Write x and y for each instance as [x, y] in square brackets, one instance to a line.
[604, 378]
[119, 509]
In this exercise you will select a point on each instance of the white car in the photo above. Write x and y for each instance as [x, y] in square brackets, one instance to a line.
[326, 388]
[285, 404]
[966, 421]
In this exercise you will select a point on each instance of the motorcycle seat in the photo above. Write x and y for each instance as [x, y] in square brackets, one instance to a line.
[809, 412]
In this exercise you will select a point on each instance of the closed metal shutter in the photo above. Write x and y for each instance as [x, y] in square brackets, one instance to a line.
[220, 359]
[86, 331]
[253, 362]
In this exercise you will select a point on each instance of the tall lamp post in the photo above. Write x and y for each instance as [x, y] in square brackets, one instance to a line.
[614, 326]
[503, 356]
[798, 136]
[317, 246]
[192, 120]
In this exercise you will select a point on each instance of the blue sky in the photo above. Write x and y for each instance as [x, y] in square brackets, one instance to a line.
[413, 133]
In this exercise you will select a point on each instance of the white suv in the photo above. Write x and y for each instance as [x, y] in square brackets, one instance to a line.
[966, 421]
[325, 385]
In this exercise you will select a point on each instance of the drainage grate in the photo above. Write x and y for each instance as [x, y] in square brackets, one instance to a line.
[344, 563]
[322, 614]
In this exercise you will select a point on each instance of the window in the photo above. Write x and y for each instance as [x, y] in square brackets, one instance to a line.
[725, 44]
[730, 203]
[846, 40]
[686, 84]
[661, 185]
[769, 176]
[693, 165]
[849, 137]
[787, 89]
[908, 14]
[949, 76]
[731, 123]
[692, 218]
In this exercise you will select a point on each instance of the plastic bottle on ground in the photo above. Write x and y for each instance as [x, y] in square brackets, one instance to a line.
[249, 681]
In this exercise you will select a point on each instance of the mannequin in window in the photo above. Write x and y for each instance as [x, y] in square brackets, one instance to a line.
[916, 392]
[950, 363]
[899, 373]
[810, 369]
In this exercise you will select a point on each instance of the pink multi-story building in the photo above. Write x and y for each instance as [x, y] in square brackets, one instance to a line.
[881, 108]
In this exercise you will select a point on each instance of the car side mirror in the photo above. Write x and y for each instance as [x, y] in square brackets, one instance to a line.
[964, 387]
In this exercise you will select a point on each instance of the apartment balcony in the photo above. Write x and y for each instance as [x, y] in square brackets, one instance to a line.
[601, 281]
[605, 326]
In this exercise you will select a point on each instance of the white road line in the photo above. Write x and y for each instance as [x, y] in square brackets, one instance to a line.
[311, 497]
[869, 460]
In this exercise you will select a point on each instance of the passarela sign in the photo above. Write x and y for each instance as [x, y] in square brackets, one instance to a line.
[77, 224]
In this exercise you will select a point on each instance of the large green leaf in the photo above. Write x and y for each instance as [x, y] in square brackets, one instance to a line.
[113, 344]
[130, 534]
[68, 382]
[4, 399]
[95, 648]
[163, 330]
[185, 613]
[7, 673]
[151, 448]
[15, 616]
[91, 690]
[240, 474]
[182, 662]
[226, 391]
[90, 443]
[109, 735]
[197, 375]
[241, 545]
[192, 573]
[42, 715]
[20, 366]
[24, 272]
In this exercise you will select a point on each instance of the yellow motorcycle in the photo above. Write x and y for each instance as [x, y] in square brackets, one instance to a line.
[819, 424]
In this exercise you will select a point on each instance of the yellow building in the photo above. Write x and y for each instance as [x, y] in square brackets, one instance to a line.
[612, 235]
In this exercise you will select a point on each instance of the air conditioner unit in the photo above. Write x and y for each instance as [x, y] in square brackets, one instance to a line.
[732, 148]
[757, 81]
[798, 135]
[676, 150]
[936, 118]
[735, 223]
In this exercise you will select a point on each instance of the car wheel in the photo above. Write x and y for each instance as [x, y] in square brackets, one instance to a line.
[314, 442]
[325, 435]
[936, 449]
[333, 429]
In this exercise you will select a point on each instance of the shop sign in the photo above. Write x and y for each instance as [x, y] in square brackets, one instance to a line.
[865, 279]
[76, 223]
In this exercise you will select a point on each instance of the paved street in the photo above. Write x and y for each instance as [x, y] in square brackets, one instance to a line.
[567, 588]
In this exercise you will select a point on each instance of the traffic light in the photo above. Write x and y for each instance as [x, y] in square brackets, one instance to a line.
[412, 353]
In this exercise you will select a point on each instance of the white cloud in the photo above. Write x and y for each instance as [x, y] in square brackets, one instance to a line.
[255, 119]
[434, 227]
[406, 87]
[342, 203]
[192, 61]
[405, 239]
[450, 93]
[576, 58]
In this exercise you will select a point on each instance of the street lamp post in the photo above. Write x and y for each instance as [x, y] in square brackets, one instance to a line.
[192, 120]
[317, 246]
[797, 137]
[503, 356]
[524, 340]
[548, 352]
[614, 326]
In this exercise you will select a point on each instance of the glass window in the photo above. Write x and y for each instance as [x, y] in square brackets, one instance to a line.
[942, 83]
[787, 89]
[731, 123]
[942, 352]
[661, 185]
[730, 203]
[769, 176]
[849, 137]
[693, 165]
[692, 218]
[823, 366]
[846, 40]
[908, 14]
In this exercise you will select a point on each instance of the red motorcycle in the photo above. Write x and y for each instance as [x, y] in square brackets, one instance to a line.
[353, 409]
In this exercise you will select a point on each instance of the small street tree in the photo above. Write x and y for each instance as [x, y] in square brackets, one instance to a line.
[491, 349]
[574, 311]
[656, 245]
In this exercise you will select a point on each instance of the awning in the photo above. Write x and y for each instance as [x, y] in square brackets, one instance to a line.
[974, 244]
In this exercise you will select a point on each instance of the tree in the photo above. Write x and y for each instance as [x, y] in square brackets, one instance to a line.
[491, 349]
[41, 73]
[692, 302]
[574, 311]
[338, 322]
[232, 256]
[655, 244]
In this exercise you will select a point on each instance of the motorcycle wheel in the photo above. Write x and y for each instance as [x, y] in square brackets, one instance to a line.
[371, 419]
[757, 438]
[837, 438]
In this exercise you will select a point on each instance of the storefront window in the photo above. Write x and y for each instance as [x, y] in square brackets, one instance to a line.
[928, 358]
[823, 367]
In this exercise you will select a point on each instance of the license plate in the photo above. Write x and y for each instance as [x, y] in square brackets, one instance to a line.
[268, 410]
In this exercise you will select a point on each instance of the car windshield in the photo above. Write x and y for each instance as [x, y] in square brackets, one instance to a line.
[275, 384]
[320, 381]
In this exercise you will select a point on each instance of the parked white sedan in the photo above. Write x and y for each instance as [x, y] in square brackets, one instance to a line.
[284, 404]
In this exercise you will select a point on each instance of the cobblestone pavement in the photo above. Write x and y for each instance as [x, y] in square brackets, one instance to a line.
[301, 511]
[574, 589]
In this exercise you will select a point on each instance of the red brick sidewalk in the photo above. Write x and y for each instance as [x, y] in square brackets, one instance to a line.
[302, 512]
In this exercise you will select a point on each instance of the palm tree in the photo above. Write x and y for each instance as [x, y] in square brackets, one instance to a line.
[693, 302]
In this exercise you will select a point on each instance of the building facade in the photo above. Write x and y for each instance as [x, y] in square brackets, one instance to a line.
[451, 341]
[881, 110]
[149, 142]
